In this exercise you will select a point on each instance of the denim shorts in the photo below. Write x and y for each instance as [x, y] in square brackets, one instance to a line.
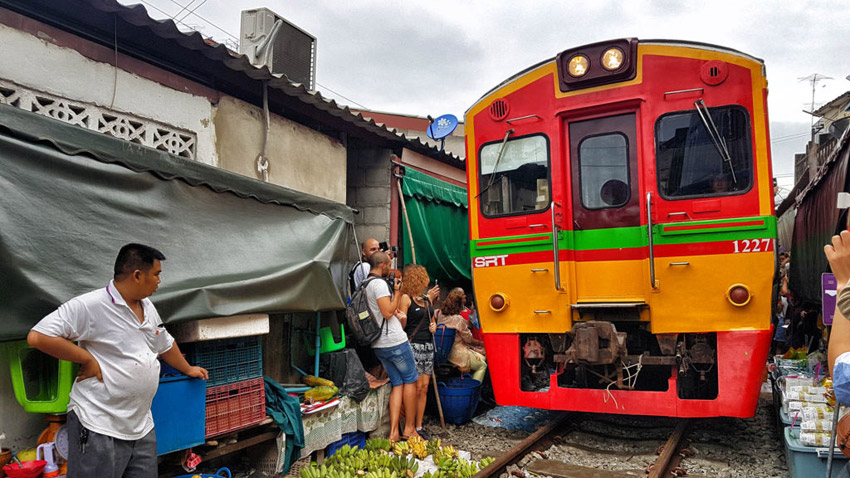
[399, 363]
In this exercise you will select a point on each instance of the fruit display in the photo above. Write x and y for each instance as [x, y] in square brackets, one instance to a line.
[380, 459]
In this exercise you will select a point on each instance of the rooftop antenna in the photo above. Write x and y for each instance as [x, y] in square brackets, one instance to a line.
[814, 80]
[441, 127]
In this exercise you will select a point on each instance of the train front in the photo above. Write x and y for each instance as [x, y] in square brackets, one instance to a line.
[622, 230]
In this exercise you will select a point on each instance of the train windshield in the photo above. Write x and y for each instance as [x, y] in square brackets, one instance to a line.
[518, 181]
[691, 153]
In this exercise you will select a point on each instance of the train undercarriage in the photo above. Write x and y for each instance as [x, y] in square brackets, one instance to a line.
[624, 356]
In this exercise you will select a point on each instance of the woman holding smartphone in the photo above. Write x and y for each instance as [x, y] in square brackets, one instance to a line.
[417, 304]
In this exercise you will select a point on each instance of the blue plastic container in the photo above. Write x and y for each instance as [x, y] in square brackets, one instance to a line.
[221, 473]
[179, 413]
[459, 397]
[810, 462]
[351, 439]
[444, 339]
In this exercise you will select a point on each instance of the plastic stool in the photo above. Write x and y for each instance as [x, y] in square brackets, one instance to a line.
[52, 377]
[327, 341]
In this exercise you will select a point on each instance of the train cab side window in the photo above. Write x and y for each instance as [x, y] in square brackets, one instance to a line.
[604, 171]
[518, 182]
[691, 160]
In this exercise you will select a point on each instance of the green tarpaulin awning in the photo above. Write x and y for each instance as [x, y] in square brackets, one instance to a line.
[72, 197]
[439, 223]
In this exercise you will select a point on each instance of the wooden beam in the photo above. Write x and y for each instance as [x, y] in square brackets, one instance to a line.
[227, 449]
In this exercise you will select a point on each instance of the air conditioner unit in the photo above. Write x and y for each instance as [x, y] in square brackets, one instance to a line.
[291, 51]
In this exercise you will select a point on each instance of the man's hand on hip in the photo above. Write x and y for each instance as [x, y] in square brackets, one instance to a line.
[89, 368]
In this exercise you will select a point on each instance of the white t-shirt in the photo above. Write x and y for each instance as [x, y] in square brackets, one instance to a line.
[392, 334]
[361, 272]
[102, 323]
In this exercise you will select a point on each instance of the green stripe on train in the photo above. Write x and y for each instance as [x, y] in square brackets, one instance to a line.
[628, 237]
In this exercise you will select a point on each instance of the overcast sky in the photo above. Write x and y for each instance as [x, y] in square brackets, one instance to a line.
[437, 57]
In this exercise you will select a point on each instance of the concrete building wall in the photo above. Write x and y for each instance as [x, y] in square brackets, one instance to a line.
[299, 158]
[41, 63]
[368, 190]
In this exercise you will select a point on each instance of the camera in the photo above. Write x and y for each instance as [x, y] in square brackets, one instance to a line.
[391, 281]
[384, 246]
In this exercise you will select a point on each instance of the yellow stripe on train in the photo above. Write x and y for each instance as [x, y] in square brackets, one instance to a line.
[690, 297]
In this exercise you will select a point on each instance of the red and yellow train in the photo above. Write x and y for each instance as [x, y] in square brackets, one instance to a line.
[622, 230]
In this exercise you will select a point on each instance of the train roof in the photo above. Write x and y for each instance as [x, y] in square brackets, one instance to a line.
[684, 43]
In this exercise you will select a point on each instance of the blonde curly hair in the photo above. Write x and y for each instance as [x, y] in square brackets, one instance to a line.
[415, 280]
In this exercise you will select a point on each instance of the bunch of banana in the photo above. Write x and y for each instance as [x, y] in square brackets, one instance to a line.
[401, 448]
[485, 462]
[466, 468]
[450, 451]
[379, 460]
[417, 446]
[447, 465]
[432, 445]
[381, 473]
[402, 465]
[378, 444]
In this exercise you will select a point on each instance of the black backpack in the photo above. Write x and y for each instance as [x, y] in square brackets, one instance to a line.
[360, 322]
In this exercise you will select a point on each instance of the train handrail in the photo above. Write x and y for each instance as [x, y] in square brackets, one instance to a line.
[556, 253]
[649, 231]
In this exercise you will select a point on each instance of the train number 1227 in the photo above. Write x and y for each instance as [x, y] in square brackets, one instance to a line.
[752, 245]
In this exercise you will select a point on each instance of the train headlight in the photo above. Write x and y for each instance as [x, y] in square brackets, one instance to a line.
[578, 66]
[738, 295]
[498, 302]
[612, 59]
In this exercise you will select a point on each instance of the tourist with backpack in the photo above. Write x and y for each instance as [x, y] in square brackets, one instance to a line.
[360, 270]
[392, 346]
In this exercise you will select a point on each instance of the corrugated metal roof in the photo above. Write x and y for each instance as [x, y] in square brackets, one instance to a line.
[188, 54]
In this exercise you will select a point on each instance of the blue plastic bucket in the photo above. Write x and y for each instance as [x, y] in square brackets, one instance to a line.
[444, 339]
[459, 397]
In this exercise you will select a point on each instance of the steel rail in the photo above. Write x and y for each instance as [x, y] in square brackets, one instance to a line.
[665, 462]
[538, 440]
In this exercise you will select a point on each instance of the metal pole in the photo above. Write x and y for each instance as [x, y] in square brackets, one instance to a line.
[832, 439]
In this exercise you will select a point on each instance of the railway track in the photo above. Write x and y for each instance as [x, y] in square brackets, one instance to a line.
[535, 452]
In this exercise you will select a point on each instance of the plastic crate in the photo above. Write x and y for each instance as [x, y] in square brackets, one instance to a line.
[459, 398]
[228, 360]
[351, 439]
[234, 406]
[178, 413]
[807, 462]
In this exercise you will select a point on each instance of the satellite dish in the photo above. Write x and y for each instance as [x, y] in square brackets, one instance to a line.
[442, 126]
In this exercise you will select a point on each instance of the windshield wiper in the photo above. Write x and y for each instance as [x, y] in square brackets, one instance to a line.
[490, 183]
[716, 138]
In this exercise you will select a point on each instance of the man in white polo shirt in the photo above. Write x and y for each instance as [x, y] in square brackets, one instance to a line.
[119, 336]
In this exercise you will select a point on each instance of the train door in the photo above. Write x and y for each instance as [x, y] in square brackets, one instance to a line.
[707, 233]
[609, 245]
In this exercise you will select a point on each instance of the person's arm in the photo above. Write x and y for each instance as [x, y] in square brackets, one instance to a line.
[838, 255]
[403, 307]
[175, 358]
[389, 305]
[63, 349]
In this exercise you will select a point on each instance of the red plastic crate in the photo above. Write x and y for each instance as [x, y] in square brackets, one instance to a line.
[234, 406]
